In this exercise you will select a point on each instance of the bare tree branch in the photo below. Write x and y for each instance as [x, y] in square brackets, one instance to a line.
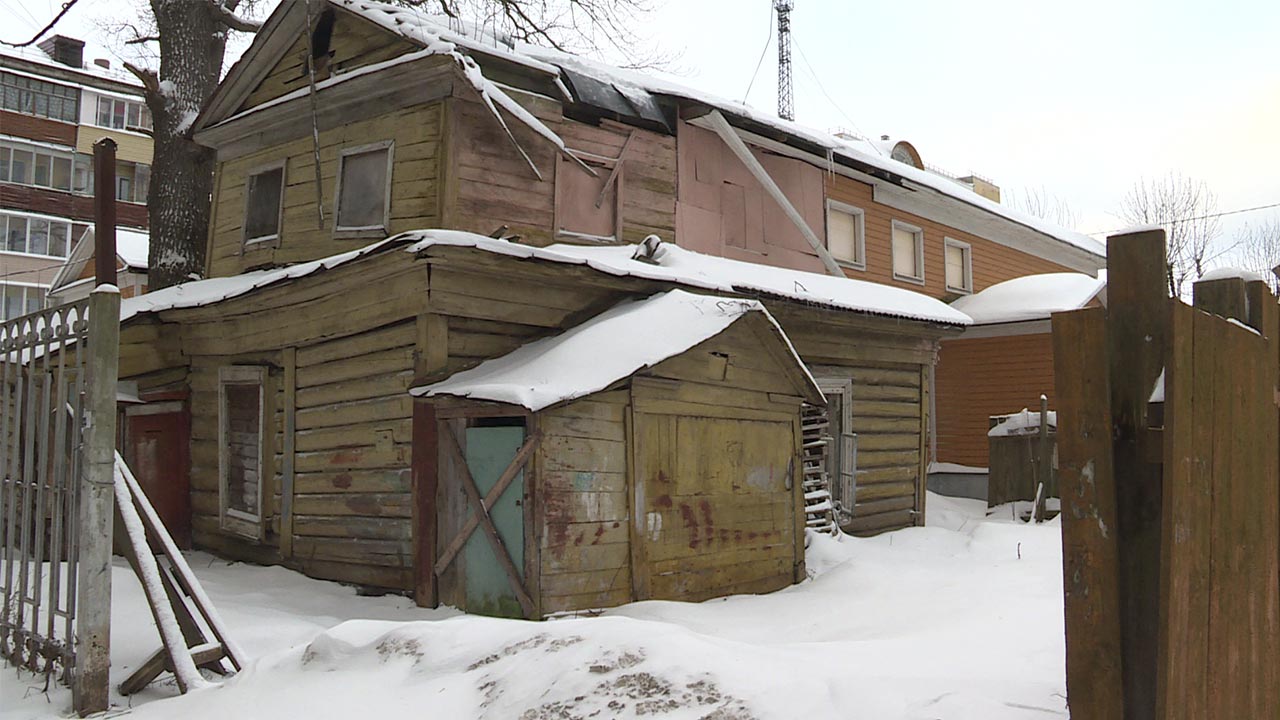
[1186, 209]
[227, 16]
[1041, 203]
[1258, 249]
[66, 6]
[148, 77]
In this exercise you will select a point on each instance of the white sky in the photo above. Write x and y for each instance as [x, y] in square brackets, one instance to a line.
[1082, 98]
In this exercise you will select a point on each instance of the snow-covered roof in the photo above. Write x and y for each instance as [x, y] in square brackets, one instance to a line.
[610, 347]
[1026, 422]
[675, 264]
[89, 72]
[199, 293]
[427, 30]
[1031, 297]
[132, 247]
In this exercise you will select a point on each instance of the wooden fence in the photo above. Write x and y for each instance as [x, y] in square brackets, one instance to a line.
[1169, 451]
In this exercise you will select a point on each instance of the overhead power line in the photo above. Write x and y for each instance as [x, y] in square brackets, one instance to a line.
[66, 6]
[768, 38]
[1224, 213]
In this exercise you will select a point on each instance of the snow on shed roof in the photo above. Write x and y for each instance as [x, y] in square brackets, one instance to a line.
[1032, 297]
[133, 247]
[686, 267]
[610, 347]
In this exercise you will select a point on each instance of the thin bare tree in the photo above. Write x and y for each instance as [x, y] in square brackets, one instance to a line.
[192, 35]
[1187, 210]
[1258, 249]
[1041, 203]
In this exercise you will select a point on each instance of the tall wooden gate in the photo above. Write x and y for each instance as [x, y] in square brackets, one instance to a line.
[1169, 448]
[57, 451]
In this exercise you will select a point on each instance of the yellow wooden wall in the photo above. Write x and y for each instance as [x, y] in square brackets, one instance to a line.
[415, 175]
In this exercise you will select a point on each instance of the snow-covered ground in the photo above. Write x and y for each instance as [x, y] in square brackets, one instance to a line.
[959, 619]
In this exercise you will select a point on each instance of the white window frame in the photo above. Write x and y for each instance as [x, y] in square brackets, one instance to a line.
[968, 265]
[231, 519]
[282, 166]
[4, 237]
[919, 234]
[113, 99]
[364, 230]
[26, 288]
[859, 232]
[10, 146]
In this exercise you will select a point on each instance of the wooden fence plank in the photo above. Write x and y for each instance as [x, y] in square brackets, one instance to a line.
[1090, 555]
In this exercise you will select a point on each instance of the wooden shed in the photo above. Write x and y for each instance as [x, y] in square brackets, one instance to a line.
[684, 408]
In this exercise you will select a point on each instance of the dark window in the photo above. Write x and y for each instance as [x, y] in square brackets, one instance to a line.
[262, 211]
[362, 193]
[37, 97]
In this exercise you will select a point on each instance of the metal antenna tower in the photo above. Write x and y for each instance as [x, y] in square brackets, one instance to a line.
[786, 104]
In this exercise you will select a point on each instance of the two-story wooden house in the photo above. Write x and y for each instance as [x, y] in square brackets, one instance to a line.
[290, 367]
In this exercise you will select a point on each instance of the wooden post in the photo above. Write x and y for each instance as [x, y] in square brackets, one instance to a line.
[91, 681]
[290, 360]
[1225, 297]
[1137, 341]
[426, 474]
[104, 211]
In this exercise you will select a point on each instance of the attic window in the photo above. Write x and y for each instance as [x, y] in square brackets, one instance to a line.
[264, 192]
[364, 189]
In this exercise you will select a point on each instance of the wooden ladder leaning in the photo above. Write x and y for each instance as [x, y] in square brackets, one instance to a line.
[192, 634]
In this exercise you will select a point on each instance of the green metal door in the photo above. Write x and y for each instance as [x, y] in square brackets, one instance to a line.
[489, 450]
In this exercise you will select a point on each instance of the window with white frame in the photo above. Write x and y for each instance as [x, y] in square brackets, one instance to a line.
[959, 261]
[123, 114]
[264, 194]
[34, 165]
[35, 235]
[908, 252]
[242, 447]
[846, 234]
[364, 188]
[32, 96]
[20, 299]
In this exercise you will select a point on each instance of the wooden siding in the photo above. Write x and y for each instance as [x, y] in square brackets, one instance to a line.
[981, 377]
[992, 262]
[582, 494]
[130, 147]
[415, 132]
[355, 42]
[37, 128]
[490, 185]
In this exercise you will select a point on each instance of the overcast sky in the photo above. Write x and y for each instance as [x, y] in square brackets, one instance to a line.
[1082, 98]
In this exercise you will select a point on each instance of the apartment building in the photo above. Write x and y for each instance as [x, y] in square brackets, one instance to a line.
[54, 104]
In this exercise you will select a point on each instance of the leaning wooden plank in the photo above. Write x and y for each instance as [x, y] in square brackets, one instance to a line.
[1087, 483]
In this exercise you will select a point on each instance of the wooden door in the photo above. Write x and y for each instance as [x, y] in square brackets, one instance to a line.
[717, 502]
[157, 448]
[488, 589]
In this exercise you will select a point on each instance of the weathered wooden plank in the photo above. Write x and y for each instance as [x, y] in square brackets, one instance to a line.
[354, 481]
[398, 335]
[1091, 582]
[394, 505]
[374, 528]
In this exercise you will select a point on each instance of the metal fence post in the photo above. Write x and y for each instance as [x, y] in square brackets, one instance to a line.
[91, 681]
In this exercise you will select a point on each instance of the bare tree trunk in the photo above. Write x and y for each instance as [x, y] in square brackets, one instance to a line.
[191, 55]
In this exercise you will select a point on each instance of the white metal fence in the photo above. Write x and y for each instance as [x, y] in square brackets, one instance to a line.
[57, 402]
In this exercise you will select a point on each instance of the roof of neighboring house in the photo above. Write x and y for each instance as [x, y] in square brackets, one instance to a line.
[670, 264]
[609, 347]
[1031, 297]
[133, 248]
[90, 74]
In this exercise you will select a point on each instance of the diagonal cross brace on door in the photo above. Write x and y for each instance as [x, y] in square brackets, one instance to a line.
[481, 515]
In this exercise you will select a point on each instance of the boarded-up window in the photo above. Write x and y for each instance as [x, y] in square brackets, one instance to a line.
[588, 208]
[846, 230]
[364, 194]
[240, 419]
[908, 252]
[959, 266]
[262, 205]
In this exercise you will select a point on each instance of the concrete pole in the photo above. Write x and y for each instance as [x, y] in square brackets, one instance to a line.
[91, 678]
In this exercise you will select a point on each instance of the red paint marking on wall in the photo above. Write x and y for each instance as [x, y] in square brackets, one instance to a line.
[343, 481]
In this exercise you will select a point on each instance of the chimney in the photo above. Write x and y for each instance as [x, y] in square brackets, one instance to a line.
[103, 63]
[65, 50]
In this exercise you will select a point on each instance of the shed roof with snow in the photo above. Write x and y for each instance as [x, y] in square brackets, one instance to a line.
[608, 348]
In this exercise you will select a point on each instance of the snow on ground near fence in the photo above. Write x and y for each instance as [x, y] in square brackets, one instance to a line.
[961, 619]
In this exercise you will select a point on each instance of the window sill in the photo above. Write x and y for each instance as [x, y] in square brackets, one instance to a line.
[374, 233]
[959, 291]
[908, 279]
[850, 265]
[270, 242]
[39, 256]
